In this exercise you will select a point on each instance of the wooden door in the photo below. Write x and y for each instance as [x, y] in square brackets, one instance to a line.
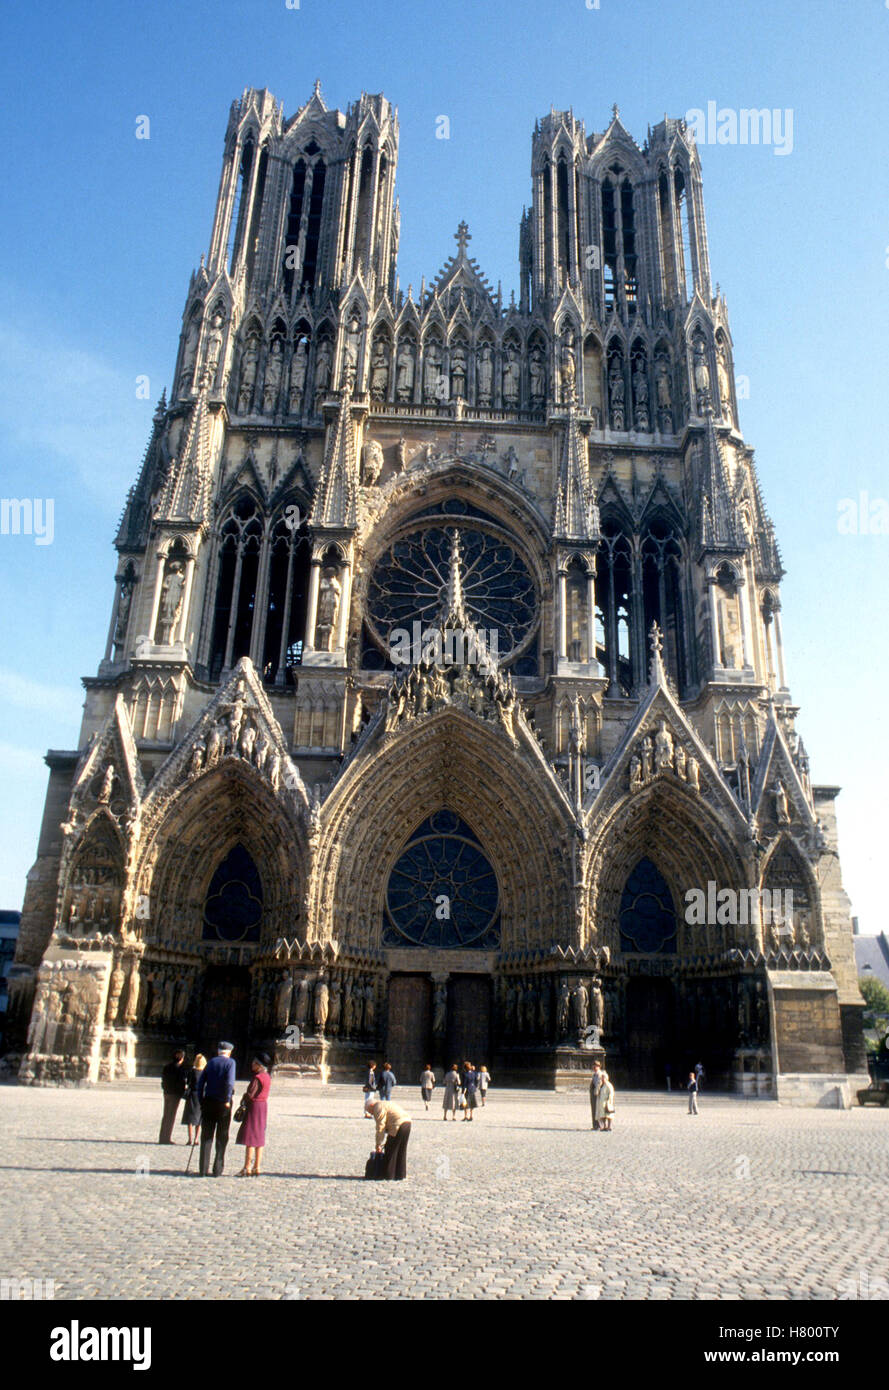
[225, 1010]
[469, 1019]
[409, 1030]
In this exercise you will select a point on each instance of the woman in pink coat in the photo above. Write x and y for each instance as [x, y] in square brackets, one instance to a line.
[252, 1130]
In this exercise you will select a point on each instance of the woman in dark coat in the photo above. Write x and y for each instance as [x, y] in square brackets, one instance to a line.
[191, 1111]
[252, 1129]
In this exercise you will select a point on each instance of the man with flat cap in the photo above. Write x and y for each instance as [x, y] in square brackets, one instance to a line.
[216, 1086]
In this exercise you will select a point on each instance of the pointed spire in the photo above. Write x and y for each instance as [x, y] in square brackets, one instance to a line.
[186, 495]
[336, 498]
[455, 608]
[576, 513]
[656, 673]
[719, 524]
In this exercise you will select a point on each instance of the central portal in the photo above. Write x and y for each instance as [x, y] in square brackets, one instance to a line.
[469, 1019]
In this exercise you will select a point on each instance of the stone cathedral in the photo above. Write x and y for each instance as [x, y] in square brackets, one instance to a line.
[445, 665]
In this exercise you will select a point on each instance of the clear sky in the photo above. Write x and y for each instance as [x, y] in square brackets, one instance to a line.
[100, 232]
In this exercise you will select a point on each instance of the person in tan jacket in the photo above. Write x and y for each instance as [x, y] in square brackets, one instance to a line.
[394, 1126]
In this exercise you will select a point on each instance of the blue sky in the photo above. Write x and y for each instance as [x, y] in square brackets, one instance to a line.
[101, 231]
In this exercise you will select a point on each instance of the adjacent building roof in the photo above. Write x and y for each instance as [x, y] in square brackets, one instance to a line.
[872, 956]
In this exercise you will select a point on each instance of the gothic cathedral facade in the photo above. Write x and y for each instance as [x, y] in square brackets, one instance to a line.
[444, 709]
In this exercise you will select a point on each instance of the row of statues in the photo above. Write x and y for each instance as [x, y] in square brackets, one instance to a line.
[318, 1004]
[437, 374]
[660, 753]
[236, 734]
[543, 1009]
[427, 688]
[64, 1013]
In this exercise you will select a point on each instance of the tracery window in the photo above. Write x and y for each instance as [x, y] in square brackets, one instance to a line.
[410, 581]
[233, 906]
[442, 892]
[647, 914]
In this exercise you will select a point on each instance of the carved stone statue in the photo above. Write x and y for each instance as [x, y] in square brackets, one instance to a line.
[485, 374]
[328, 610]
[379, 372]
[274, 368]
[701, 373]
[171, 601]
[190, 351]
[433, 384]
[647, 756]
[323, 364]
[598, 1004]
[663, 748]
[664, 397]
[115, 990]
[640, 395]
[635, 773]
[458, 371]
[336, 1005]
[511, 382]
[681, 760]
[440, 1009]
[283, 994]
[322, 1004]
[131, 1010]
[298, 369]
[564, 1014]
[580, 1002]
[348, 1010]
[249, 362]
[123, 611]
[404, 377]
[782, 806]
[568, 368]
[107, 784]
[214, 348]
[350, 352]
[694, 771]
[301, 1007]
[725, 385]
[537, 374]
[369, 1008]
[616, 394]
[373, 462]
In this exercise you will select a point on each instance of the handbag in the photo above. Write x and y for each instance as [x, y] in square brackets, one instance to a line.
[373, 1168]
[241, 1112]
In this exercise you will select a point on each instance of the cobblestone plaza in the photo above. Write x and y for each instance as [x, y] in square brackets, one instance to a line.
[747, 1201]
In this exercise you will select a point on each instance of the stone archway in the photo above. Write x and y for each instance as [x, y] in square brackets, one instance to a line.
[672, 986]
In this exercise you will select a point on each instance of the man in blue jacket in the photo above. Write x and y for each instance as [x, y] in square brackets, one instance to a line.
[386, 1082]
[216, 1086]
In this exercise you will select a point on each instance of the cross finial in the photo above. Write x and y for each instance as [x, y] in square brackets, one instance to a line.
[317, 87]
[462, 236]
[615, 110]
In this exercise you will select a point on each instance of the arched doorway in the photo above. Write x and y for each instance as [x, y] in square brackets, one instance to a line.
[648, 933]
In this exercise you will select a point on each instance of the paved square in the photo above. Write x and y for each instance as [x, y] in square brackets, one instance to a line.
[746, 1201]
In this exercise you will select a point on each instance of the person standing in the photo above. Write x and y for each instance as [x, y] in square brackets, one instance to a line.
[605, 1103]
[692, 1093]
[484, 1081]
[595, 1083]
[191, 1110]
[393, 1125]
[699, 1074]
[173, 1082]
[370, 1082]
[427, 1085]
[387, 1082]
[216, 1086]
[451, 1087]
[252, 1130]
[470, 1089]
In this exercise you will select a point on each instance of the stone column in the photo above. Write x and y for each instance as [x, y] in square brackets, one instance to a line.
[744, 613]
[563, 615]
[714, 621]
[312, 608]
[342, 617]
[591, 615]
[779, 650]
[158, 586]
[180, 631]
